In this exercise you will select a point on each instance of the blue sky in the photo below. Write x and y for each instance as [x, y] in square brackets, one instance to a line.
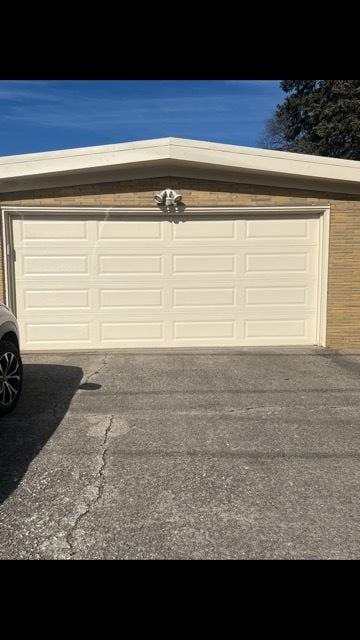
[49, 115]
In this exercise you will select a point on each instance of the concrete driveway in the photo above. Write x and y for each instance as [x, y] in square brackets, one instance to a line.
[251, 453]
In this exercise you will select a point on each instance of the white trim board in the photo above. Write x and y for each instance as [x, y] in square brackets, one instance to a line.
[16, 170]
[159, 211]
[323, 211]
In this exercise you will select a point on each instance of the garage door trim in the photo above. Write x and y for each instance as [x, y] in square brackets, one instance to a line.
[322, 211]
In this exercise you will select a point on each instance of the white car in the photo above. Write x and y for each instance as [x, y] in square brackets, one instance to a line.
[11, 369]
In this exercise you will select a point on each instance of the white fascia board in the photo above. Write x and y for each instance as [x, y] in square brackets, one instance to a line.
[16, 170]
[71, 160]
[265, 161]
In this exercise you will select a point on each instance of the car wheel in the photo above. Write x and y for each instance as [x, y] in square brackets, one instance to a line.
[11, 376]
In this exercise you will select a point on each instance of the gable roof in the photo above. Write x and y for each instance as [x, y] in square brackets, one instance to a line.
[175, 156]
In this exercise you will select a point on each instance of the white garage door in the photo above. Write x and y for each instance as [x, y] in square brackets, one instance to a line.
[84, 283]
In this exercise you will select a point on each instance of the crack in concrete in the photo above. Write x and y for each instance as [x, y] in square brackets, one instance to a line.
[103, 459]
[94, 373]
[100, 485]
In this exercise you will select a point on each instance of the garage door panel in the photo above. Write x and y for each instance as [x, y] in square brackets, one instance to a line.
[279, 332]
[184, 297]
[275, 328]
[270, 229]
[57, 332]
[275, 295]
[156, 282]
[193, 231]
[35, 232]
[277, 262]
[70, 230]
[203, 263]
[48, 266]
[204, 329]
[132, 330]
[123, 230]
[281, 297]
[46, 299]
[130, 265]
[282, 231]
[131, 298]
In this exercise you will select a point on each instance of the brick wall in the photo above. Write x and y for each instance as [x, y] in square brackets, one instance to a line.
[343, 315]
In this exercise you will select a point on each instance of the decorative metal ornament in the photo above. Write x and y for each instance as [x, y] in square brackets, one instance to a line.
[168, 197]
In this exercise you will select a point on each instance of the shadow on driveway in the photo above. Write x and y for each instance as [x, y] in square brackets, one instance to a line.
[47, 392]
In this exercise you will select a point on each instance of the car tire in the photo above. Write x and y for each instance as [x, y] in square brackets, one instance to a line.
[11, 376]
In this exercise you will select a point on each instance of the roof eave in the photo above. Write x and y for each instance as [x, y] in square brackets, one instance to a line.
[167, 155]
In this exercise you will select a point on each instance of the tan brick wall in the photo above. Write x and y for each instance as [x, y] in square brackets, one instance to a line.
[343, 315]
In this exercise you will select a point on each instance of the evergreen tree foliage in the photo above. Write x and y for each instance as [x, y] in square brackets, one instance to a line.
[319, 117]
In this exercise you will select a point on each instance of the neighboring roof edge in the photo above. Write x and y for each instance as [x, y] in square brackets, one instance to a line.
[146, 153]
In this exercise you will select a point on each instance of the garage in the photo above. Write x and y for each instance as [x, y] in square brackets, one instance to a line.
[87, 281]
[175, 243]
